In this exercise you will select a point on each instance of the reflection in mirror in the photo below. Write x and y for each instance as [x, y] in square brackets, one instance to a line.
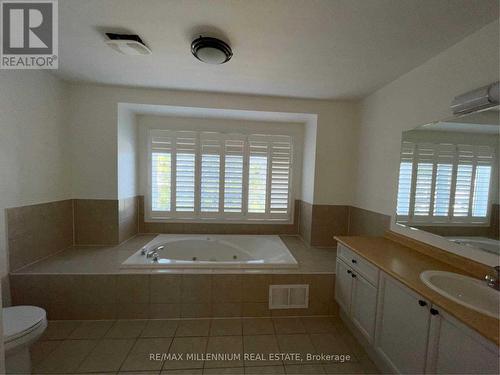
[448, 179]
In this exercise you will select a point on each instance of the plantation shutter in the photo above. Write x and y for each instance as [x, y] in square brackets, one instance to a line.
[463, 183]
[234, 151]
[257, 174]
[211, 149]
[185, 172]
[444, 174]
[482, 181]
[161, 170]
[281, 161]
[405, 178]
[210, 175]
[424, 179]
[444, 183]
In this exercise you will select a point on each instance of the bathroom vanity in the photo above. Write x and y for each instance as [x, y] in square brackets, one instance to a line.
[405, 325]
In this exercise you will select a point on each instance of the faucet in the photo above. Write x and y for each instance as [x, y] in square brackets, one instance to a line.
[494, 282]
[154, 252]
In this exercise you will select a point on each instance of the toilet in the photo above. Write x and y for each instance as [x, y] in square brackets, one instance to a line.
[22, 326]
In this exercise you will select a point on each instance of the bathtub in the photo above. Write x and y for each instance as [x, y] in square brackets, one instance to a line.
[213, 251]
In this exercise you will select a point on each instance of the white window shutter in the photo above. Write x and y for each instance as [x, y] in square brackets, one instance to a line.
[185, 171]
[405, 179]
[424, 179]
[444, 173]
[463, 185]
[257, 174]
[482, 181]
[281, 161]
[211, 149]
[161, 171]
[234, 150]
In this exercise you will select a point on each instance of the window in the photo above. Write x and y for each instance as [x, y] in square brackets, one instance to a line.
[444, 183]
[209, 175]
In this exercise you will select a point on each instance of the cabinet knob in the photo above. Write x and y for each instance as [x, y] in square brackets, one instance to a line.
[353, 275]
[434, 312]
[349, 271]
[354, 261]
[422, 303]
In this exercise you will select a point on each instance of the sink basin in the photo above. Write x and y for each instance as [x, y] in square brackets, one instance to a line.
[467, 291]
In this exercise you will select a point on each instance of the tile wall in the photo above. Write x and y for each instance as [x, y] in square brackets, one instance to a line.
[155, 296]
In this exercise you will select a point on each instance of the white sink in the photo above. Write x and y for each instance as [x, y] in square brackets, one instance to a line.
[464, 290]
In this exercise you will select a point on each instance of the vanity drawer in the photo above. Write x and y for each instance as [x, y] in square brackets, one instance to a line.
[358, 263]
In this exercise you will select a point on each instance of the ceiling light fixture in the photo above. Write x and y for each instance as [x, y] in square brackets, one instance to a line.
[211, 50]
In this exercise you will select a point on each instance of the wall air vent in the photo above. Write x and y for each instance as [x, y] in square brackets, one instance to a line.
[289, 296]
[127, 44]
[475, 100]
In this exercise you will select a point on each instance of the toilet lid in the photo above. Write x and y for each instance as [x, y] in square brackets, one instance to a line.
[18, 320]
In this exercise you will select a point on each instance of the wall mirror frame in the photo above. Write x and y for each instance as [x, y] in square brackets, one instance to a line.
[448, 184]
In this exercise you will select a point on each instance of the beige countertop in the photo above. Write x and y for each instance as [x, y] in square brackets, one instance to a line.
[405, 264]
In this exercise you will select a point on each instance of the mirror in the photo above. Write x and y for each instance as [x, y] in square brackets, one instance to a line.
[448, 179]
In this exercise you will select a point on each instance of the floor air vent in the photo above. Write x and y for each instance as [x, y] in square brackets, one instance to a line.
[289, 296]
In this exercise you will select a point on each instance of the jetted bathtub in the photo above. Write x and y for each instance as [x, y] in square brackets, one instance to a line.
[213, 251]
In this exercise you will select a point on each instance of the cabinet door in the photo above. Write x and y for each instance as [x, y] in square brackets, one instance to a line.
[456, 349]
[364, 306]
[402, 327]
[343, 286]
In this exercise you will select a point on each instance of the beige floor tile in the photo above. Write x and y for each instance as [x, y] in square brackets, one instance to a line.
[190, 371]
[199, 327]
[284, 326]
[92, 329]
[304, 369]
[107, 356]
[41, 349]
[260, 345]
[139, 357]
[66, 357]
[265, 370]
[230, 346]
[318, 325]
[184, 346]
[344, 368]
[224, 371]
[258, 326]
[332, 344]
[124, 329]
[160, 328]
[226, 327]
[367, 365]
[296, 343]
[60, 329]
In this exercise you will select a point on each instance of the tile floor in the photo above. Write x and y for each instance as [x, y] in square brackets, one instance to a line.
[124, 346]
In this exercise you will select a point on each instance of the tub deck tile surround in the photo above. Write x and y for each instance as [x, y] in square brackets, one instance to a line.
[405, 264]
[88, 283]
[122, 346]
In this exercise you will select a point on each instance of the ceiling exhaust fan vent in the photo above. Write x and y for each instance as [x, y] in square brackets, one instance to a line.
[127, 44]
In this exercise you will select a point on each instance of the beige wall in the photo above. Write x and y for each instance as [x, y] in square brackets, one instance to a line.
[418, 97]
[94, 135]
[34, 166]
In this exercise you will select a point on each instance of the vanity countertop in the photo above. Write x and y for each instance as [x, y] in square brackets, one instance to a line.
[405, 264]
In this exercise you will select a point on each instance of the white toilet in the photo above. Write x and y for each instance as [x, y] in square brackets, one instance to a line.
[22, 326]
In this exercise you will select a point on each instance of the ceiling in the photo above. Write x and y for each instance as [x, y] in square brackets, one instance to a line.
[310, 49]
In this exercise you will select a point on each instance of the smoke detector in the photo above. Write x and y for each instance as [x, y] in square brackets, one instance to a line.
[127, 44]
[211, 50]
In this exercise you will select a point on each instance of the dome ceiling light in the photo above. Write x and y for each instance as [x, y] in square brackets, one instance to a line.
[211, 50]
